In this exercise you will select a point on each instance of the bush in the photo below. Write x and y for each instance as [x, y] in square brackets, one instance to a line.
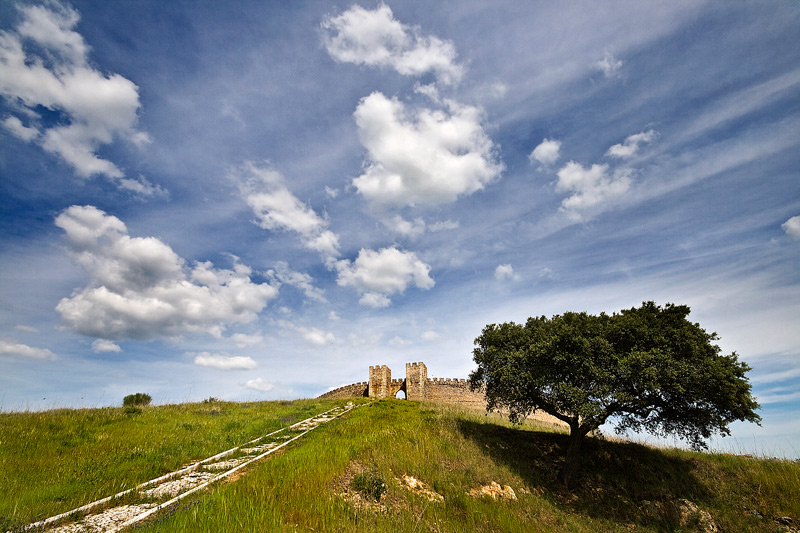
[369, 485]
[139, 398]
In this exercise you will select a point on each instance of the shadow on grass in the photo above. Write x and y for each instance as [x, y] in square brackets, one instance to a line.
[623, 482]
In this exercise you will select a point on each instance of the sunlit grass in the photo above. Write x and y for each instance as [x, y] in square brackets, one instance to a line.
[622, 485]
[54, 461]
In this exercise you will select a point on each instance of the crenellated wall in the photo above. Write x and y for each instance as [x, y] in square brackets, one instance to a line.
[416, 386]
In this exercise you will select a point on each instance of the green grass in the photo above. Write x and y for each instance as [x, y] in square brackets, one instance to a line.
[621, 487]
[55, 461]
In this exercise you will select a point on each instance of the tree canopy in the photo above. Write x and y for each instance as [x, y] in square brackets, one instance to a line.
[646, 368]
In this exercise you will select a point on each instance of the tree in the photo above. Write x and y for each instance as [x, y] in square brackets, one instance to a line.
[646, 368]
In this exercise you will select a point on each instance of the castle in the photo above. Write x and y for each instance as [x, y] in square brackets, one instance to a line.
[416, 386]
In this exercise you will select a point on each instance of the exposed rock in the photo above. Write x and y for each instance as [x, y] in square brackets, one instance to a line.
[689, 514]
[418, 487]
[494, 491]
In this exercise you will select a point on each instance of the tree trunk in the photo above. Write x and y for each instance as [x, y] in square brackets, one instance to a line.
[572, 463]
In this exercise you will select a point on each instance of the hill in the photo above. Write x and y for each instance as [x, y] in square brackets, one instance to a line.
[423, 460]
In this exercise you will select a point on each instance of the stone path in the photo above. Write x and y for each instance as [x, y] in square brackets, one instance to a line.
[156, 494]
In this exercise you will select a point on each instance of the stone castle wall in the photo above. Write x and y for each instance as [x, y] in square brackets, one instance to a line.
[416, 386]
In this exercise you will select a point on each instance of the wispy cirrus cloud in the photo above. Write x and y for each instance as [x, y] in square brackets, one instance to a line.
[278, 209]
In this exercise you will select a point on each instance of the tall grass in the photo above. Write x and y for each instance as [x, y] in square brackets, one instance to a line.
[623, 486]
[54, 461]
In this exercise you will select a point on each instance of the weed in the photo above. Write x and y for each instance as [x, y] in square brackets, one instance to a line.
[139, 398]
[369, 485]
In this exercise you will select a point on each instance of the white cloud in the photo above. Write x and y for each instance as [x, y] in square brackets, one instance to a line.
[142, 186]
[399, 341]
[631, 144]
[374, 38]
[300, 280]
[423, 156]
[15, 126]
[792, 227]
[26, 329]
[12, 349]
[315, 336]
[276, 208]
[55, 73]
[380, 274]
[259, 384]
[333, 193]
[406, 228]
[504, 272]
[103, 345]
[224, 361]
[429, 335]
[139, 288]
[609, 65]
[546, 153]
[333, 315]
[243, 340]
[444, 225]
[590, 187]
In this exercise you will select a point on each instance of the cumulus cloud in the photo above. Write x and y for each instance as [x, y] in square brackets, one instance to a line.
[375, 38]
[792, 227]
[224, 361]
[589, 187]
[631, 145]
[283, 274]
[259, 384]
[44, 64]
[504, 272]
[609, 65]
[546, 153]
[103, 345]
[13, 349]
[277, 209]
[140, 288]
[422, 156]
[377, 275]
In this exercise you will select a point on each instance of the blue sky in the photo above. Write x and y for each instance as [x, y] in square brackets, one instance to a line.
[259, 200]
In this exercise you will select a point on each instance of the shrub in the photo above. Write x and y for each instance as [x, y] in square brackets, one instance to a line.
[369, 485]
[139, 398]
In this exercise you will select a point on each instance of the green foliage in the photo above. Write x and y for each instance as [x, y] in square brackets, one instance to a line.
[370, 485]
[139, 398]
[646, 368]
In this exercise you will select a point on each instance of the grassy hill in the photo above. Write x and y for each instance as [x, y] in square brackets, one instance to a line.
[51, 462]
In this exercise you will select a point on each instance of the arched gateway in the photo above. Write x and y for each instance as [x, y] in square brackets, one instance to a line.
[416, 386]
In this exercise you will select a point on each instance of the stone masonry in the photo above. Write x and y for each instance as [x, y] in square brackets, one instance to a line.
[416, 386]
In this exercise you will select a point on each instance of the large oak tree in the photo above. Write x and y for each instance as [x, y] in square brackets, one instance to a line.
[646, 368]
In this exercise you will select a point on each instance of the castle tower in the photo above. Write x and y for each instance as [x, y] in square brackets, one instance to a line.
[380, 380]
[416, 378]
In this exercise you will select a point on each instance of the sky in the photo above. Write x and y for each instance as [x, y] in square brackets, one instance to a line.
[259, 200]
